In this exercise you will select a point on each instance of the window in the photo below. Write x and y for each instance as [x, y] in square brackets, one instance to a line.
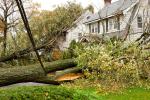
[96, 30]
[106, 25]
[139, 22]
[116, 24]
[92, 28]
[110, 24]
[95, 27]
[88, 17]
[98, 27]
[80, 36]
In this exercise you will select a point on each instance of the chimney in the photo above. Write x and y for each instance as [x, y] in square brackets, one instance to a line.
[107, 2]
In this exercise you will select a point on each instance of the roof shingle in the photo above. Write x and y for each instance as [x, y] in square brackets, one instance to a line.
[111, 10]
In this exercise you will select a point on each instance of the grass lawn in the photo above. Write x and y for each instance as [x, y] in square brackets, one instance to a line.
[61, 93]
[129, 94]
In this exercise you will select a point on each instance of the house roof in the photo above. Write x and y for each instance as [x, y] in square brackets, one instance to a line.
[111, 10]
[83, 16]
[81, 19]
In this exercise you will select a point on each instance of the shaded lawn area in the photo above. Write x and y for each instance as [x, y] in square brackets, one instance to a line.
[62, 93]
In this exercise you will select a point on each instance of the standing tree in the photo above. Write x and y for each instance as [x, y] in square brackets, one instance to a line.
[47, 27]
[50, 23]
[6, 11]
[9, 18]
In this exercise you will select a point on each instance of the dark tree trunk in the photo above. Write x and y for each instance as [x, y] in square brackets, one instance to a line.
[5, 33]
[5, 39]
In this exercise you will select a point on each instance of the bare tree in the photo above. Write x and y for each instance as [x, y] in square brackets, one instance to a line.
[6, 9]
[9, 17]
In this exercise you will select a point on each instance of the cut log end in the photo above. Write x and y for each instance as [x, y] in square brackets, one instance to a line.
[69, 77]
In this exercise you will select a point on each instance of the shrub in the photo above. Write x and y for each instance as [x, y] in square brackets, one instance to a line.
[70, 52]
[113, 62]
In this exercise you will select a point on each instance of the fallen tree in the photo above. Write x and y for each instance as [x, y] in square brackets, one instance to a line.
[133, 14]
[19, 54]
[145, 37]
[34, 73]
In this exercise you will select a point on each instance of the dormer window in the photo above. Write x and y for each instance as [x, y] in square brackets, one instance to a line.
[88, 17]
[139, 22]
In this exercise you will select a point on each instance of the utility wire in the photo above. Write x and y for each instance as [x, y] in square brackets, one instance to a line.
[26, 24]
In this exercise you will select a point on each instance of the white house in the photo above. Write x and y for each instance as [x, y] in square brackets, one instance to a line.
[113, 19]
[75, 33]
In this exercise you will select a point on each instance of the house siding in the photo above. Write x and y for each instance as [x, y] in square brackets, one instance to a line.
[123, 19]
[104, 26]
[136, 32]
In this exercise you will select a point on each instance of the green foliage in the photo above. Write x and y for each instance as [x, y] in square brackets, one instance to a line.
[67, 54]
[47, 24]
[45, 93]
[113, 62]
[70, 52]
[1, 39]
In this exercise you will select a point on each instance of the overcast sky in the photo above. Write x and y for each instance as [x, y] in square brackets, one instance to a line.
[51, 4]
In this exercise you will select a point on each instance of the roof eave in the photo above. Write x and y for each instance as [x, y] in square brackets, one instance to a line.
[100, 19]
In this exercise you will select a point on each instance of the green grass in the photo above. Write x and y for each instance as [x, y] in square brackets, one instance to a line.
[62, 93]
[44, 93]
[129, 94]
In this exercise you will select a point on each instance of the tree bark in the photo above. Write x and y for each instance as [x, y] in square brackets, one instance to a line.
[5, 39]
[33, 73]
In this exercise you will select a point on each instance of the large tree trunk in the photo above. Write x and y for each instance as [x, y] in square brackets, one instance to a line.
[33, 73]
